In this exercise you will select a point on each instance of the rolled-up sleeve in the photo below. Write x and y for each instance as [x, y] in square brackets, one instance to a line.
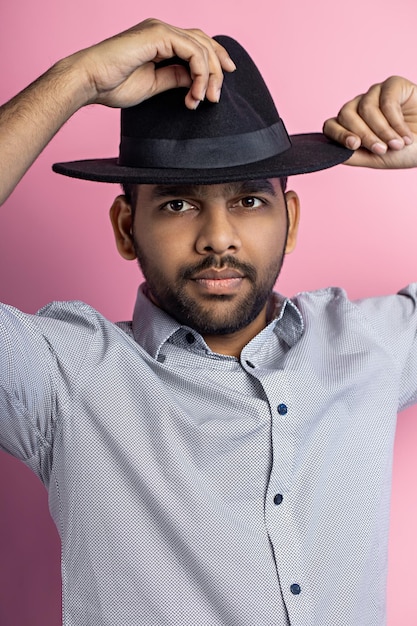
[40, 356]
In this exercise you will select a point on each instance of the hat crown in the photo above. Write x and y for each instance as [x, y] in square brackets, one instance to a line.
[244, 127]
[245, 106]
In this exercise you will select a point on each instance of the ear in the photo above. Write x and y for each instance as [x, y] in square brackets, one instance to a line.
[121, 220]
[293, 211]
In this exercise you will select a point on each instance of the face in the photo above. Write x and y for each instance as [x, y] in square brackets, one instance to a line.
[211, 253]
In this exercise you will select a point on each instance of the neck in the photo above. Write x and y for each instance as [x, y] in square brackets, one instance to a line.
[233, 344]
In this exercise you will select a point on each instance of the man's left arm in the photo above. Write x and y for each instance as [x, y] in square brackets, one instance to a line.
[380, 125]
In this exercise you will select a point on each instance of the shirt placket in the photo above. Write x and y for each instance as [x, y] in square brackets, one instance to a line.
[280, 506]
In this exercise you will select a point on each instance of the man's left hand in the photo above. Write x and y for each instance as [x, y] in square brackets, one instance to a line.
[380, 125]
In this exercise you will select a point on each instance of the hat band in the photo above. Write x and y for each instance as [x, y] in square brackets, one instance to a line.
[208, 152]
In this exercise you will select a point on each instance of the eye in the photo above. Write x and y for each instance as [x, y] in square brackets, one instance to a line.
[250, 202]
[178, 206]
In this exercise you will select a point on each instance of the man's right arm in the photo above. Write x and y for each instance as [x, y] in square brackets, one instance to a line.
[118, 72]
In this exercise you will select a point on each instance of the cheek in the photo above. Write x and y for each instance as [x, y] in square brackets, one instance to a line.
[268, 243]
[163, 252]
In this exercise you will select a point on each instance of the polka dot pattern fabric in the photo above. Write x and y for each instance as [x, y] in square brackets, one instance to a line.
[194, 488]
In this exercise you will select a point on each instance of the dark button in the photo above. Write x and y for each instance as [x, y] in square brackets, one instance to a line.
[295, 589]
[190, 337]
[250, 364]
[282, 409]
[278, 498]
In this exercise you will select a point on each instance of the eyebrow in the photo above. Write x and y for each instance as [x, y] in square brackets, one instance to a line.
[247, 187]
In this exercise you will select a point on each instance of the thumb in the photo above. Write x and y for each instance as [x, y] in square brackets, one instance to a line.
[144, 83]
[170, 77]
[364, 158]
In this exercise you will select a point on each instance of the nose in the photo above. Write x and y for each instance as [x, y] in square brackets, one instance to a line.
[217, 232]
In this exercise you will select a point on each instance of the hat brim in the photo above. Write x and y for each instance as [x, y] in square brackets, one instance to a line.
[309, 152]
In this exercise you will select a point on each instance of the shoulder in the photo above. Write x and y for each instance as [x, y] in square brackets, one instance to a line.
[337, 299]
[390, 317]
[67, 330]
[321, 301]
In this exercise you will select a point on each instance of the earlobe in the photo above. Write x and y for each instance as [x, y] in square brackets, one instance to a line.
[293, 212]
[121, 220]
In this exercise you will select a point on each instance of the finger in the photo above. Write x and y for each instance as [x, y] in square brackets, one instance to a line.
[218, 61]
[203, 70]
[362, 118]
[394, 94]
[131, 92]
[200, 73]
[159, 42]
[390, 132]
[377, 117]
[226, 62]
[350, 131]
[206, 58]
[170, 77]
[206, 72]
[365, 158]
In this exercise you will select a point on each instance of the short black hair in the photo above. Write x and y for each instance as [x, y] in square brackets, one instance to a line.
[130, 190]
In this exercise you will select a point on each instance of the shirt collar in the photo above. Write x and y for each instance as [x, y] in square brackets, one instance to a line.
[152, 327]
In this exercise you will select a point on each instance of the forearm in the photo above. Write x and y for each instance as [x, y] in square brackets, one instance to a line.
[31, 119]
[118, 72]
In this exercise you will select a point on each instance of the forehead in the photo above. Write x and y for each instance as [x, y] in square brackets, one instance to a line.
[264, 186]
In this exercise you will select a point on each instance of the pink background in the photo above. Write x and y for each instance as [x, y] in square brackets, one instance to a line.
[357, 226]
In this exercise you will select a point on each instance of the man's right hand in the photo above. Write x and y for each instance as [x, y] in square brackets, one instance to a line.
[121, 70]
[118, 72]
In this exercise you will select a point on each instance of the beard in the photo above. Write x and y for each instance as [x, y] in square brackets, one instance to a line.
[213, 314]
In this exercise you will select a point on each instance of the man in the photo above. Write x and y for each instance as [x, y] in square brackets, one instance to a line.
[203, 460]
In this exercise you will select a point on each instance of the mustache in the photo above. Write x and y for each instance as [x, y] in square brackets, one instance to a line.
[211, 262]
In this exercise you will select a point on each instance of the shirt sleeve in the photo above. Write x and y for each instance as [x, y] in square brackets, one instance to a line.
[40, 356]
[394, 320]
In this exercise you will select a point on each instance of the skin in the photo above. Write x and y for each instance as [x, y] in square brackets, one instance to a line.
[249, 225]
[380, 125]
[117, 72]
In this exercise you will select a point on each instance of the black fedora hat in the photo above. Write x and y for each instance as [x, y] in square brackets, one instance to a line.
[240, 138]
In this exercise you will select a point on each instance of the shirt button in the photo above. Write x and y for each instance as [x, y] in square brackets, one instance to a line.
[282, 409]
[295, 589]
[190, 337]
[249, 364]
[278, 498]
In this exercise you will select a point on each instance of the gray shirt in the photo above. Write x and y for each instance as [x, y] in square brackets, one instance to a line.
[194, 488]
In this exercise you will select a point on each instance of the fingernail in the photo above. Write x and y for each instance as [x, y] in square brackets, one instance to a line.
[218, 93]
[379, 148]
[196, 103]
[353, 142]
[407, 140]
[396, 144]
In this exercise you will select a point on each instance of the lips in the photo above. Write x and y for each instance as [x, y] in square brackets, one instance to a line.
[223, 282]
[223, 274]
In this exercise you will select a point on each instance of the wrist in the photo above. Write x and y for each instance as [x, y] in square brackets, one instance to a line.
[75, 81]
